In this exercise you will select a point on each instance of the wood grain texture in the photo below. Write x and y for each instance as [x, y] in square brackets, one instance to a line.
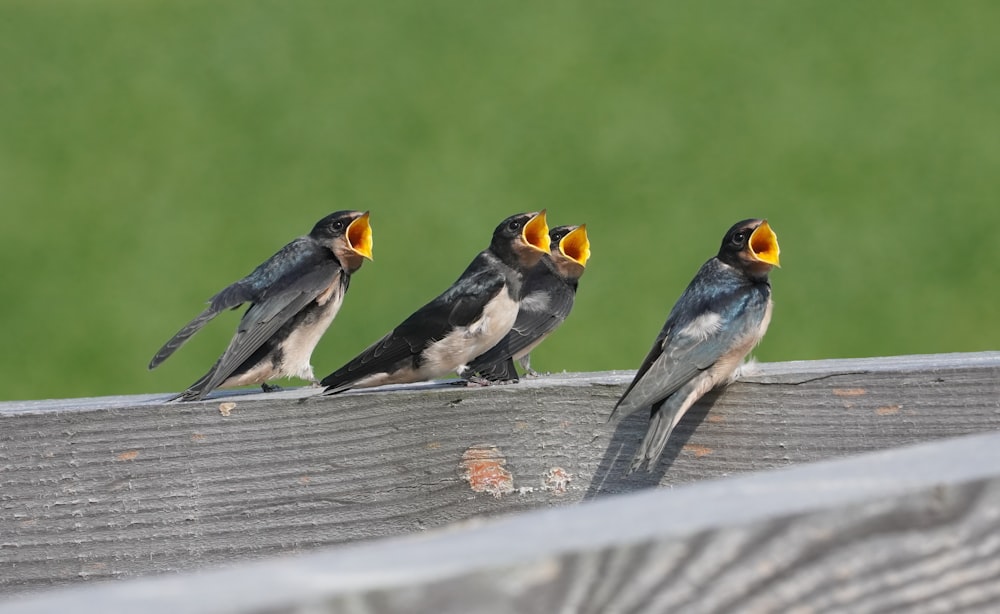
[913, 529]
[934, 551]
[117, 487]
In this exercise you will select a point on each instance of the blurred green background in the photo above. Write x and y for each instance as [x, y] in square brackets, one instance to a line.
[153, 152]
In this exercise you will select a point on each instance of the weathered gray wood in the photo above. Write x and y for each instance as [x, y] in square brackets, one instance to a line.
[914, 529]
[108, 488]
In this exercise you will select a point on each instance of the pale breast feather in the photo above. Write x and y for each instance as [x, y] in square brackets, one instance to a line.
[464, 343]
[303, 340]
[702, 327]
[536, 302]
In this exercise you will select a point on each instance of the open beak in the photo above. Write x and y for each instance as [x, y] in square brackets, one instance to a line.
[576, 245]
[536, 232]
[359, 236]
[764, 244]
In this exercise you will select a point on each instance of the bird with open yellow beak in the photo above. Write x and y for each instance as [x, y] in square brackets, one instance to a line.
[294, 296]
[720, 317]
[467, 319]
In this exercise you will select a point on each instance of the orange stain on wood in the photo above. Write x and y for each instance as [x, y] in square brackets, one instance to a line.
[226, 408]
[128, 455]
[197, 437]
[849, 392]
[714, 418]
[888, 410]
[697, 450]
[484, 469]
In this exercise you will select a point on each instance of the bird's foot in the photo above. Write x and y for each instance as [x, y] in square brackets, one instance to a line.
[748, 368]
[637, 462]
[270, 387]
[479, 380]
[532, 373]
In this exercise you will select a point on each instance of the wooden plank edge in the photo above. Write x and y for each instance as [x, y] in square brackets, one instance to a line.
[789, 371]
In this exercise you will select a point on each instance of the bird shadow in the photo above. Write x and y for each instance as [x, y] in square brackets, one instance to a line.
[611, 476]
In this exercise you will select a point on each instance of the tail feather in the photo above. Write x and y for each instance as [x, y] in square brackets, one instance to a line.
[230, 297]
[497, 372]
[182, 336]
[653, 444]
[337, 388]
[340, 380]
[664, 416]
[196, 391]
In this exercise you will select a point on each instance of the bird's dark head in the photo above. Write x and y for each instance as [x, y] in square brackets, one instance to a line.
[348, 235]
[752, 247]
[522, 239]
[570, 249]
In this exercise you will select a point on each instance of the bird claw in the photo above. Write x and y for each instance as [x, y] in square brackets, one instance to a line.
[637, 463]
[479, 380]
[504, 382]
[270, 387]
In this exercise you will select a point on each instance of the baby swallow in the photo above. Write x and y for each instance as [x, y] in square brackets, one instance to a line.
[547, 298]
[294, 296]
[719, 318]
[466, 320]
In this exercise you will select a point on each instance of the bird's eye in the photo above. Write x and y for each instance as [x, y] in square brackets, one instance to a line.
[514, 225]
[338, 225]
[740, 238]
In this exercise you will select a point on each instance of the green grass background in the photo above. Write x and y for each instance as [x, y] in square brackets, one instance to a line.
[153, 152]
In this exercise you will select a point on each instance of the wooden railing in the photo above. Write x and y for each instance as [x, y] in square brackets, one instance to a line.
[118, 487]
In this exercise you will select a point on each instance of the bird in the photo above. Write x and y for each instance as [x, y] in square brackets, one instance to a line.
[467, 319]
[294, 296]
[549, 290]
[721, 315]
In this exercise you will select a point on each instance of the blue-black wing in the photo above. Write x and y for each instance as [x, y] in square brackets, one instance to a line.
[460, 305]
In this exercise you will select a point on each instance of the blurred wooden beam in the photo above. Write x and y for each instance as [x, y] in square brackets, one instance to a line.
[912, 529]
[124, 486]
